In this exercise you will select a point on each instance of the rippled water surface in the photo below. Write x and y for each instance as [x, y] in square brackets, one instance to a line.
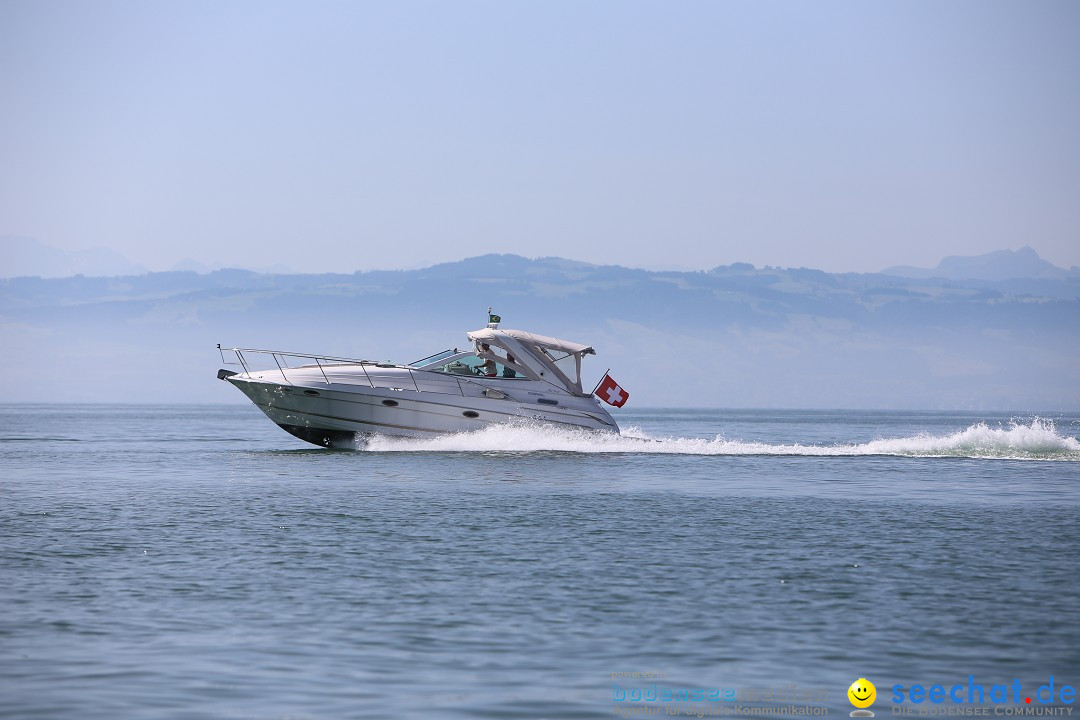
[197, 562]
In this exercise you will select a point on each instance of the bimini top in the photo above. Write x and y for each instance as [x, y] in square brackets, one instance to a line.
[489, 334]
[538, 357]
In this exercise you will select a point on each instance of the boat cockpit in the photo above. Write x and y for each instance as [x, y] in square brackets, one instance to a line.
[457, 362]
[513, 355]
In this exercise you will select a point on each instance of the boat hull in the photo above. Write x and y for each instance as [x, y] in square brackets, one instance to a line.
[331, 415]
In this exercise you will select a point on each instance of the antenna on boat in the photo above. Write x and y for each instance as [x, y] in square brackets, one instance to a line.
[493, 320]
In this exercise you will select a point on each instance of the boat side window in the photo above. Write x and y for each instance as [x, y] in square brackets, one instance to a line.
[566, 362]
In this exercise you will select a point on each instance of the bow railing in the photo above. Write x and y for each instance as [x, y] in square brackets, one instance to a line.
[280, 361]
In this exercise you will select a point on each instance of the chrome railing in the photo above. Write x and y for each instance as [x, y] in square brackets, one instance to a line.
[285, 361]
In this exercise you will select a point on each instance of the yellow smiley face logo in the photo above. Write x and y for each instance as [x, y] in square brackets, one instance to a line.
[862, 693]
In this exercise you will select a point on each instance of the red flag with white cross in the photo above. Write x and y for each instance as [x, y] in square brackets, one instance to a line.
[610, 392]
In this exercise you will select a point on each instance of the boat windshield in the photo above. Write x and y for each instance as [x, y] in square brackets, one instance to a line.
[462, 363]
[432, 359]
[466, 364]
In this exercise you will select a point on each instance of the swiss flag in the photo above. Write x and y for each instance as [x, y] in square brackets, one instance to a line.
[609, 391]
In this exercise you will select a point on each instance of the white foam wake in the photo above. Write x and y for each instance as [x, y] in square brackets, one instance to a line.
[1037, 440]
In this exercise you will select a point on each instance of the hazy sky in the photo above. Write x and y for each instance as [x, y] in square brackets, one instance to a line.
[359, 135]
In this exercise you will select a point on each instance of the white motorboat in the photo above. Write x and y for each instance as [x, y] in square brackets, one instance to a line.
[505, 376]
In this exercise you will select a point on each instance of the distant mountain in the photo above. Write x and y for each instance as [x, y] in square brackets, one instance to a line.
[998, 265]
[189, 265]
[732, 336]
[22, 256]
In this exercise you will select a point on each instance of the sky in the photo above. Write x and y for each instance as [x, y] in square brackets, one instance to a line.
[340, 136]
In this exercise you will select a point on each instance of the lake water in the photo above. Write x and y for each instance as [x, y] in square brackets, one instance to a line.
[198, 562]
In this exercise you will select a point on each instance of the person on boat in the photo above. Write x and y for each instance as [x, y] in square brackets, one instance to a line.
[486, 368]
[509, 372]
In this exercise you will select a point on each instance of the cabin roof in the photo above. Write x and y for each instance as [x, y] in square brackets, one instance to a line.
[490, 335]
